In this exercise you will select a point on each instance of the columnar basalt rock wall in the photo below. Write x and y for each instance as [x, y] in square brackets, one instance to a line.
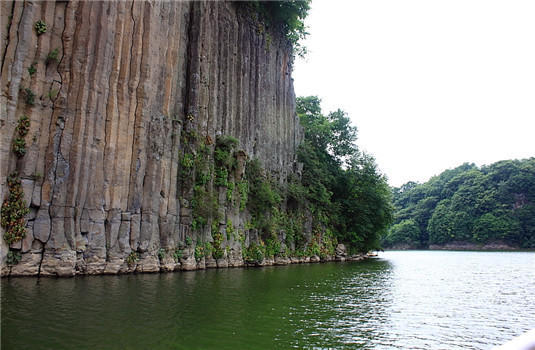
[101, 173]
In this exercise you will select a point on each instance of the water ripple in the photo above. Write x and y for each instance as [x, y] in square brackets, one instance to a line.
[416, 300]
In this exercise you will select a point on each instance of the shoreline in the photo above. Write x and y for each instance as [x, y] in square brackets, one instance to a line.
[203, 264]
[463, 246]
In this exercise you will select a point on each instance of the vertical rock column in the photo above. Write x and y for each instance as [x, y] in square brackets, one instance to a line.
[101, 173]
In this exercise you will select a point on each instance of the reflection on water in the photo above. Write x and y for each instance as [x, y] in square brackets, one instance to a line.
[460, 300]
[404, 299]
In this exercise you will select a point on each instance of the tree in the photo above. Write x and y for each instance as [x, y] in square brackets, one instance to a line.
[405, 232]
[471, 204]
[345, 191]
[440, 225]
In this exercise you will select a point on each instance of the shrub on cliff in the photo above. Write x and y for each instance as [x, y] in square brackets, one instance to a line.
[40, 27]
[19, 143]
[289, 16]
[264, 196]
[13, 211]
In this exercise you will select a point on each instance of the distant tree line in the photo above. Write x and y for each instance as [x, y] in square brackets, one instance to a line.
[494, 203]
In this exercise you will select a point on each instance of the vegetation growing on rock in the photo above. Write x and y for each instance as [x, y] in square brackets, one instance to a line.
[32, 69]
[288, 16]
[132, 259]
[341, 194]
[161, 172]
[52, 56]
[19, 142]
[13, 211]
[29, 97]
[40, 27]
[13, 257]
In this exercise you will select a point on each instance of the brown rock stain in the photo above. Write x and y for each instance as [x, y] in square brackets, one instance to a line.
[107, 147]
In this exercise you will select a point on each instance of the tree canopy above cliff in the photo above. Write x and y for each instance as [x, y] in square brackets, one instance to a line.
[468, 204]
[345, 191]
[289, 16]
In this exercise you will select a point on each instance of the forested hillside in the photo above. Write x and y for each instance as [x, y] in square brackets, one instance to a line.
[494, 203]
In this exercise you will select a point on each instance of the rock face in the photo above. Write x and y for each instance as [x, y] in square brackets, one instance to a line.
[119, 90]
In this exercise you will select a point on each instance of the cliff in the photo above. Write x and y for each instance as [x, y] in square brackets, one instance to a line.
[120, 119]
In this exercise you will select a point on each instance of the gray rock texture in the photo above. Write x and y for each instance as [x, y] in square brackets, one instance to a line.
[102, 170]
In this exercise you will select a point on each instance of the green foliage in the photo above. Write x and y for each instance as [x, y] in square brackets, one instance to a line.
[323, 158]
[19, 147]
[23, 126]
[204, 203]
[187, 161]
[221, 177]
[199, 251]
[493, 226]
[254, 253]
[52, 57]
[329, 243]
[204, 206]
[241, 238]
[32, 69]
[273, 246]
[13, 257]
[223, 153]
[13, 211]
[525, 216]
[19, 143]
[292, 224]
[132, 258]
[314, 247]
[190, 137]
[405, 232]
[202, 169]
[297, 194]
[471, 204]
[40, 27]
[161, 254]
[229, 229]
[264, 195]
[289, 16]
[177, 255]
[218, 251]
[29, 97]
[208, 250]
[344, 190]
[243, 189]
[366, 205]
[189, 241]
[202, 178]
[224, 159]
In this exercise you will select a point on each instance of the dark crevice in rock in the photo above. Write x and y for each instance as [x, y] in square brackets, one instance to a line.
[164, 81]
[8, 36]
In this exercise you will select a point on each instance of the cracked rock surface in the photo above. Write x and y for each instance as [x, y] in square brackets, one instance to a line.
[101, 171]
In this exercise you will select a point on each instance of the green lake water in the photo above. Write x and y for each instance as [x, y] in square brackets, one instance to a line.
[411, 299]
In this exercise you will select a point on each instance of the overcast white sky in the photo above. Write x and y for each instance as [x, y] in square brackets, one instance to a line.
[429, 84]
